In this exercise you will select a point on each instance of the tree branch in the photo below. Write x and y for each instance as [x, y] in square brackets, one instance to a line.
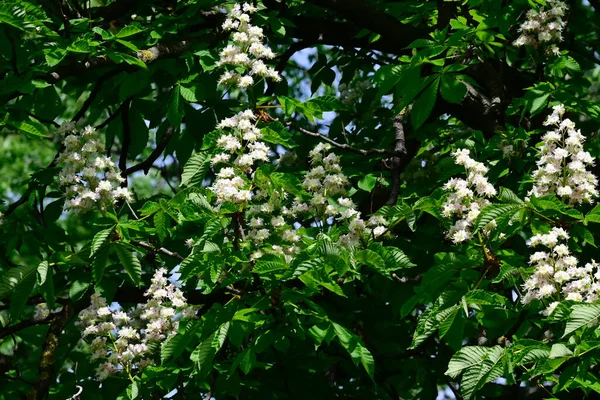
[126, 140]
[9, 330]
[160, 147]
[344, 146]
[46, 372]
[162, 250]
[88, 102]
[396, 162]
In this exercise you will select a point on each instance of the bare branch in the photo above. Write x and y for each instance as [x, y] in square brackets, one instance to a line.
[88, 102]
[46, 372]
[396, 162]
[9, 330]
[160, 147]
[162, 250]
[344, 146]
[126, 140]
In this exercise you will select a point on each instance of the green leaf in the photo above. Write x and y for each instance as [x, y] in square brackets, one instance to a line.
[582, 315]
[424, 105]
[265, 267]
[149, 208]
[28, 128]
[539, 103]
[367, 183]
[42, 272]
[100, 240]
[162, 223]
[593, 215]
[358, 352]
[175, 345]
[559, 350]
[289, 182]
[478, 365]
[129, 30]
[247, 360]
[188, 94]
[130, 262]
[99, 264]
[452, 90]
[277, 133]
[104, 34]
[508, 196]
[129, 45]
[205, 352]
[132, 60]
[493, 212]
[195, 170]
[321, 278]
[174, 110]
[79, 46]
[14, 278]
[372, 259]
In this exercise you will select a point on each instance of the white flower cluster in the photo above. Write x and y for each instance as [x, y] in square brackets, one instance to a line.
[562, 165]
[543, 27]
[124, 341]
[326, 180]
[557, 276]
[244, 145]
[265, 220]
[90, 178]
[247, 50]
[467, 197]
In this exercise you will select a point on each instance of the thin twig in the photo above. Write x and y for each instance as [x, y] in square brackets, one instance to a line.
[94, 92]
[332, 142]
[160, 147]
[162, 250]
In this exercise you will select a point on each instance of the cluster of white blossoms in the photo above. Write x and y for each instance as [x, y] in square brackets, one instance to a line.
[267, 221]
[246, 51]
[124, 341]
[467, 197]
[543, 27]
[241, 149]
[563, 162]
[89, 178]
[557, 276]
[326, 180]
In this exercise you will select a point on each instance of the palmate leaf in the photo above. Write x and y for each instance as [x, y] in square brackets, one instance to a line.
[14, 15]
[508, 196]
[14, 278]
[265, 267]
[130, 262]
[495, 211]
[195, 169]
[175, 345]
[393, 258]
[478, 366]
[100, 240]
[357, 350]
[582, 315]
[205, 352]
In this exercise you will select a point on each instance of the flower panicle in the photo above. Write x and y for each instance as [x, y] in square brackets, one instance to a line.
[467, 197]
